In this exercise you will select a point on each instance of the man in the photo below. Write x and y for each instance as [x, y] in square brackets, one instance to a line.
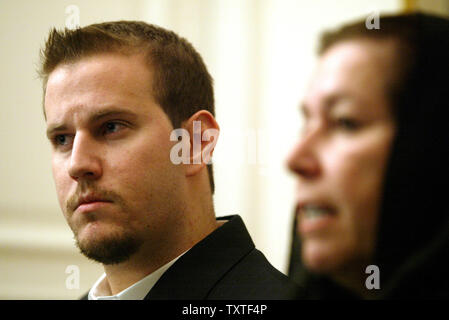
[113, 94]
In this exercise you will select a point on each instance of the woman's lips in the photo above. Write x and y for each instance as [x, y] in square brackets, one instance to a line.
[314, 218]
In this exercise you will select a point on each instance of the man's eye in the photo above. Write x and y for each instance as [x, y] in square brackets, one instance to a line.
[61, 139]
[111, 127]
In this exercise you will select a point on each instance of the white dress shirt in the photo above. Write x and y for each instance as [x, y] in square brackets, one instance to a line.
[137, 291]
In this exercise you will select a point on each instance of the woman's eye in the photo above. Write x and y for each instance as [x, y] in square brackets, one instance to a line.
[347, 124]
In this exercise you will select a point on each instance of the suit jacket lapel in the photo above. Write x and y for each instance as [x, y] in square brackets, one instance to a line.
[196, 273]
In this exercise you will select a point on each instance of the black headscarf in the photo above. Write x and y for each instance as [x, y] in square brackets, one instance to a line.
[412, 249]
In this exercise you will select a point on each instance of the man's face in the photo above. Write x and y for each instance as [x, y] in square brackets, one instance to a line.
[114, 179]
[341, 155]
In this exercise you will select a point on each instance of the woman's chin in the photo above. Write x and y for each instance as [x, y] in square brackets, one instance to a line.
[323, 258]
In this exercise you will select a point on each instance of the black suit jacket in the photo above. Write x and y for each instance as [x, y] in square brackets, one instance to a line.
[224, 265]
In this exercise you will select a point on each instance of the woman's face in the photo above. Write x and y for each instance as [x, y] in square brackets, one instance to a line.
[341, 156]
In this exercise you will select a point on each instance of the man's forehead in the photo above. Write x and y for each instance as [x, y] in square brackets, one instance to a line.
[96, 82]
[115, 67]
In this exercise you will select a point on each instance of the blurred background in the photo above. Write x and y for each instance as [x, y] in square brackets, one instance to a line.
[260, 54]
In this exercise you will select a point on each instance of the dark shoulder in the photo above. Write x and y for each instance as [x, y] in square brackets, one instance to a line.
[253, 277]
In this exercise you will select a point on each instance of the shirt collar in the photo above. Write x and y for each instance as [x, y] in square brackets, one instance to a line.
[137, 291]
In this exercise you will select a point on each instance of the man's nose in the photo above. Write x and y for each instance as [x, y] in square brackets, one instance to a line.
[85, 159]
[304, 158]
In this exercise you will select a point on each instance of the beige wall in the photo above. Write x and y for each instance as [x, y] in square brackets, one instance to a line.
[440, 7]
[260, 53]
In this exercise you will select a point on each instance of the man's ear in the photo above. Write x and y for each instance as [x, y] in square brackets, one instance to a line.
[203, 131]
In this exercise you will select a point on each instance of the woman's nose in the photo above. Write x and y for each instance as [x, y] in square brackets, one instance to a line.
[303, 159]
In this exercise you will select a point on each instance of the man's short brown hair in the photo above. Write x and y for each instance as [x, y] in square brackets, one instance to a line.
[181, 83]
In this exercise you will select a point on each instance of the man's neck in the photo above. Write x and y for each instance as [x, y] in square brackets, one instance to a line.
[147, 260]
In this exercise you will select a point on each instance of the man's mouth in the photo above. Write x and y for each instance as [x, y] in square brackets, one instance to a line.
[91, 202]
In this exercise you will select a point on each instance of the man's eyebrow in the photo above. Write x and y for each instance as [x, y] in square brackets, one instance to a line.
[111, 113]
[94, 117]
[55, 128]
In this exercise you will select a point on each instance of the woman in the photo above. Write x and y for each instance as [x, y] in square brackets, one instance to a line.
[371, 164]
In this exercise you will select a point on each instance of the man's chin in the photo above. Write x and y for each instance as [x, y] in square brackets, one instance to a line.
[109, 250]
